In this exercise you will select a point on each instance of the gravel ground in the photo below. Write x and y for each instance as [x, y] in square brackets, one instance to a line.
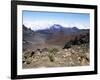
[77, 55]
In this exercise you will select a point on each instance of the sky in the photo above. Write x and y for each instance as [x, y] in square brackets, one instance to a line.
[42, 20]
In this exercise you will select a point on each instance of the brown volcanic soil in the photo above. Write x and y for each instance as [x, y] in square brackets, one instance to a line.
[77, 55]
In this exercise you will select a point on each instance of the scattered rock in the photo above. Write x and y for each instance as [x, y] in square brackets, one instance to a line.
[77, 55]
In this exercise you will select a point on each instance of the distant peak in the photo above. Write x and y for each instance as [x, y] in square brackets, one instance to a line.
[56, 26]
[75, 28]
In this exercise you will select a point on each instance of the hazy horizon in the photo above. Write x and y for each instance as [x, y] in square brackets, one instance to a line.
[42, 20]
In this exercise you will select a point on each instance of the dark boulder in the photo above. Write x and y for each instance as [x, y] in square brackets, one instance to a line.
[39, 50]
[32, 53]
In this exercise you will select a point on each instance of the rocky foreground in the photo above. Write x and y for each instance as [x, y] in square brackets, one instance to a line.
[76, 55]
